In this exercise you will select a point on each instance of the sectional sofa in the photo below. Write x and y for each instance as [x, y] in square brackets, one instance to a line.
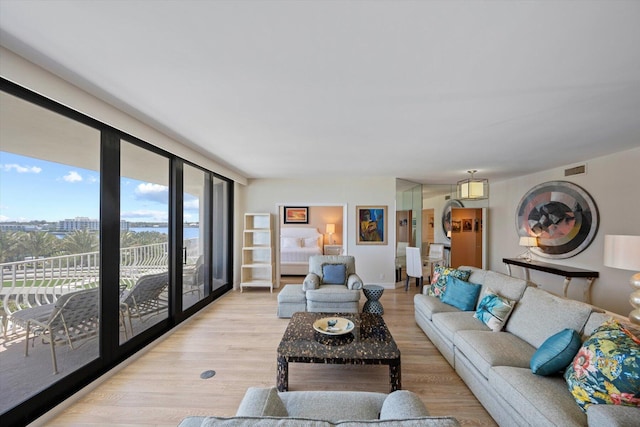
[266, 407]
[496, 365]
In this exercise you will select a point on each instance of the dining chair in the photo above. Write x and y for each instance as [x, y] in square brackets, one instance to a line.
[414, 266]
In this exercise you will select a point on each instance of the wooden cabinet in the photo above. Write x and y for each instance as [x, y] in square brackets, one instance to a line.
[257, 252]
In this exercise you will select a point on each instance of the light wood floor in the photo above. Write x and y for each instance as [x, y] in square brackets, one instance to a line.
[237, 337]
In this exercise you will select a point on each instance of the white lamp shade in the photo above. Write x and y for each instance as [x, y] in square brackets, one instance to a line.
[622, 252]
[529, 242]
[472, 190]
[331, 228]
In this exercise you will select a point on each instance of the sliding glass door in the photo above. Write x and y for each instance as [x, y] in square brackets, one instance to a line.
[49, 248]
[144, 239]
[106, 243]
[195, 235]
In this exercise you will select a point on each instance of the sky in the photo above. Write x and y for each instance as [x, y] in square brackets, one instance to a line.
[33, 189]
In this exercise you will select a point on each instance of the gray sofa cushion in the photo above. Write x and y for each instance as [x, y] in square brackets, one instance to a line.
[428, 305]
[302, 422]
[612, 416]
[486, 349]
[333, 293]
[251, 422]
[415, 422]
[450, 323]
[258, 401]
[509, 287]
[543, 399]
[549, 313]
[402, 404]
[343, 405]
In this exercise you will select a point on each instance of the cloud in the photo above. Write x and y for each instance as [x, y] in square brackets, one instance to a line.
[154, 192]
[192, 203]
[72, 176]
[21, 169]
[4, 218]
[149, 215]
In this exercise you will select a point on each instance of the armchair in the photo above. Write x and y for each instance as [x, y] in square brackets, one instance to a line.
[332, 284]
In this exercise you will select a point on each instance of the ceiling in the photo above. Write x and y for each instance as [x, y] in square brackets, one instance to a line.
[419, 90]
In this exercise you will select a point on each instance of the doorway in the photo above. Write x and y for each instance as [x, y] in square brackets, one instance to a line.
[294, 243]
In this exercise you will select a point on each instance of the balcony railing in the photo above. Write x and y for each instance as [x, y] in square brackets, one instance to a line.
[41, 281]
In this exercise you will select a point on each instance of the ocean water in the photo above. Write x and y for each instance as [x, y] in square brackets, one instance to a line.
[188, 232]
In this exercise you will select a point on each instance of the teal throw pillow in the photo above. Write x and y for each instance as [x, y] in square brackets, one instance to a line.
[461, 294]
[556, 353]
[334, 274]
[494, 310]
[606, 369]
[439, 280]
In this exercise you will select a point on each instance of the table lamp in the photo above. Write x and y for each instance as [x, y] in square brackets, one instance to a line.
[529, 242]
[331, 228]
[623, 252]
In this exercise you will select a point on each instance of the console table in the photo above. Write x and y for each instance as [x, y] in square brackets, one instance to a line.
[560, 270]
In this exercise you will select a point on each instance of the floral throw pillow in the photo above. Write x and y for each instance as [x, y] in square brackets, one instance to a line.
[439, 280]
[606, 369]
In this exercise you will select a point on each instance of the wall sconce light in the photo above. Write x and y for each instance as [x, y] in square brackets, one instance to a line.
[330, 230]
[623, 252]
[473, 188]
[528, 242]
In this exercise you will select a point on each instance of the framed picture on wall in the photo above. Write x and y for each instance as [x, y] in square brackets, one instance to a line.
[372, 225]
[467, 224]
[296, 215]
[455, 226]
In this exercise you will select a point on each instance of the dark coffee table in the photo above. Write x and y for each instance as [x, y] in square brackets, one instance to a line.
[370, 343]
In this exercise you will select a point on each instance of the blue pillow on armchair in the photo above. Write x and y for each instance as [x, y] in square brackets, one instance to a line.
[334, 274]
[461, 294]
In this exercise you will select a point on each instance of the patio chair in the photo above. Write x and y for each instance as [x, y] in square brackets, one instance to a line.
[72, 318]
[193, 277]
[143, 299]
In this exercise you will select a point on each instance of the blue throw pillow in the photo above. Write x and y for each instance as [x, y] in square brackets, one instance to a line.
[556, 353]
[334, 274]
[461, 294]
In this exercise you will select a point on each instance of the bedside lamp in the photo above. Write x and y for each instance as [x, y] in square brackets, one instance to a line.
[529, 242]
[330, 230]
[623, 252]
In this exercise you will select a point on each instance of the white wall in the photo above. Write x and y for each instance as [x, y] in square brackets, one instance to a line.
[374, 263]
[614, 183]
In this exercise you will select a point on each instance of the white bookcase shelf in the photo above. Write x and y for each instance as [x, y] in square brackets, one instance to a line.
[257, 252]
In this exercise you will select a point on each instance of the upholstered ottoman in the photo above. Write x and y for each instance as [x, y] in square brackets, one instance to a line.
[291, 299]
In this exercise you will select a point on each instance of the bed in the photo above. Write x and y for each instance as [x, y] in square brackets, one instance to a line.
[297, 244]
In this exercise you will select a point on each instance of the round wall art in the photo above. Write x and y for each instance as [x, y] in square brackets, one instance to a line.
[446, 214]
[562, 215]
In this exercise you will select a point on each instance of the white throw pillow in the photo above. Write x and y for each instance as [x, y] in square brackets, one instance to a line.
[290, 242]
[311, 242]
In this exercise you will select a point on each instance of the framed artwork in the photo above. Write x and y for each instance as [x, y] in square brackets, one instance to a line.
[446, 214]
[562, 215]
[372, 225]
[296, 215]
[456, 226]
[467, 224]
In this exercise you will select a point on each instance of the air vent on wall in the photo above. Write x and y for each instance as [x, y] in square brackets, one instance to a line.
[576, 170]
[447, 197]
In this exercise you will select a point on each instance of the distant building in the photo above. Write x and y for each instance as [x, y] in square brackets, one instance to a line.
[79, 223]
[13, 227]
